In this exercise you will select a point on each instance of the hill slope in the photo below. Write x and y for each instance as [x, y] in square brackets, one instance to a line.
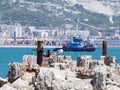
[99, 14]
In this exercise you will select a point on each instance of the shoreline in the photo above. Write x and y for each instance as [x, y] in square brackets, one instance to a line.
[34, 46]
[26, 46]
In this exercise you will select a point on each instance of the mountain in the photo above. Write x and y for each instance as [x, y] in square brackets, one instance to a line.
[97, 14]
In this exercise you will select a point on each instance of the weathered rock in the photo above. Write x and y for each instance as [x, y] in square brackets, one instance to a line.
[60, 66]
[84, 73]
[40, 85]
[3, 81]
[63, 59]
[8, 86]
[86, 65]
[93, 74]
[99, 78]
[18, 69]
[83, 61]
[20, 84]
[30, 59]
[110, 60]
[112, 87]
[72, 84]
[102, 58]
[15, 71]
[113, 77]
[28, 77]
[55, 79]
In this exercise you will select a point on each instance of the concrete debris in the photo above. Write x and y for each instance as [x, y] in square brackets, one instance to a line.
[8, 86]
[109, 60]
[99, 78]
[3, 81]
[59, 72]
[15, 71]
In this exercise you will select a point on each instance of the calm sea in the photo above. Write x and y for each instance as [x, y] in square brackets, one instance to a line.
[8, 55]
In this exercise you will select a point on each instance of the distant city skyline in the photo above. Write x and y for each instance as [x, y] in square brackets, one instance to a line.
[18, 34]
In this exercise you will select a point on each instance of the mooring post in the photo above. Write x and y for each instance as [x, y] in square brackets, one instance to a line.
[104, 48]
[39, 52]
[48, 53]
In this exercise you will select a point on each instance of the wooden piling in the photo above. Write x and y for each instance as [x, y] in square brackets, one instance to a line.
[39, 52]
[104, 48]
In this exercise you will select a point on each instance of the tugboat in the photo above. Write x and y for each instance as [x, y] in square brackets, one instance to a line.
[77, 45]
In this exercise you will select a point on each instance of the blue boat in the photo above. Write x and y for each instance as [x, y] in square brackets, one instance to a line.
[77, 45]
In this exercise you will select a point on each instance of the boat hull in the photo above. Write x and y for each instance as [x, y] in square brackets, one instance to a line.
[87, 49]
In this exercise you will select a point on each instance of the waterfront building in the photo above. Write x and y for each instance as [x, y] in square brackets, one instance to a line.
[14, 37]
[41, 34]
[81, 33]
[117, 33]
[18, 30]
[27, 32]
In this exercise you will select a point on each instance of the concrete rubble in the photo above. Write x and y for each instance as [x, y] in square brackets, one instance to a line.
[61, 73]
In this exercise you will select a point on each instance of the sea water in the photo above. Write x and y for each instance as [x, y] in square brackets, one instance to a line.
[8, 55]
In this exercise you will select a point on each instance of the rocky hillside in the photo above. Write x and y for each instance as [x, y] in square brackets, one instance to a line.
[97, 14]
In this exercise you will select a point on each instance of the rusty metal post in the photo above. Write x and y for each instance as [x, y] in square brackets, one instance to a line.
[104, 48]
[48, 53]
[39, 52]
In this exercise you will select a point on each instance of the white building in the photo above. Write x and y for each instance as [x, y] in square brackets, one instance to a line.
[117, 33]
[82, 34]
[18, 30]
[41, 33]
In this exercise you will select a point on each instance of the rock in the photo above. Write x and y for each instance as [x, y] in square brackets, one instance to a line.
[64, 59]
[8, 86]
[83, 61]
[50, 61]
[99, 78]
[84, 73]
[15, 71]
[72, 84]
[65, 74]
[112, 87]
[28, 77]
[40, 85]
[60, 66]
[3, 81]
[110, 60]
[86, 65]
[114, 80]
[20, 84]
[55, 79]
[30, 59]
[102, 58]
